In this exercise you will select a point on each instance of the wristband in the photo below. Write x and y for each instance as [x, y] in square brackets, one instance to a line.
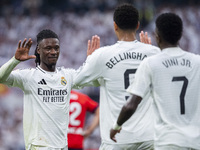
[116, 127]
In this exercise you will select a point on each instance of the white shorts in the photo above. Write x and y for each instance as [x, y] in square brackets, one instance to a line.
[35, 147]
[172, 147]
[148, 145]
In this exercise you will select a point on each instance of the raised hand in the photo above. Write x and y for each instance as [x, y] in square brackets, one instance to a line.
[144, 38]
[93, 44]
[22, 52]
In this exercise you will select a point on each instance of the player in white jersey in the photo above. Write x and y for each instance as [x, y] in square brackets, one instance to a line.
[46, 92]
[114, 67]
[174, 78]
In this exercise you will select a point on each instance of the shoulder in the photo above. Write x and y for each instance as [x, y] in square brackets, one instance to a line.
[66, 70]
[150, 47]
[104, 49]
[192, 54]
[195, 57]
[25, 70]
[152, 59]
[24, 74]
[69, 72]
[99, 55]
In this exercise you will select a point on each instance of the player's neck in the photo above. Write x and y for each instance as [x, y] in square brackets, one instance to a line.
[50, 68]
[127, 37]
[163, 46]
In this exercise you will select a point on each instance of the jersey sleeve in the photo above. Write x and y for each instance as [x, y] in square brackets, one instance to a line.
[10, 77]
[91, 105]
[16, 79]
[88, 74]
[142, 81]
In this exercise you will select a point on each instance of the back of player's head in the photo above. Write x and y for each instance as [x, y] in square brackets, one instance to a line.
[169, 27]
[44, 34]
[126, 17]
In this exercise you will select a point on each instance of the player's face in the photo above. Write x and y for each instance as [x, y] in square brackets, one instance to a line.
[49, 50]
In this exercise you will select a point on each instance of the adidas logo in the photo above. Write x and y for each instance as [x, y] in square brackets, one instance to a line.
[42, 82]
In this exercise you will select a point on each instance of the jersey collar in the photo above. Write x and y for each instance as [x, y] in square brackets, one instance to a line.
[127, 41]
[46, 72]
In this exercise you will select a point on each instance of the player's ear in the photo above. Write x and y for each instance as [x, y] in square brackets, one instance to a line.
[158, 38]
[115, 26]
[138, 25]
[37, 49]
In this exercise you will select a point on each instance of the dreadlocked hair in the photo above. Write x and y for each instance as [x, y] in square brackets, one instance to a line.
[44, 34]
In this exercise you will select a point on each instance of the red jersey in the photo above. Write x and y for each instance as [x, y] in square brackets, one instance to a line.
[79, 105]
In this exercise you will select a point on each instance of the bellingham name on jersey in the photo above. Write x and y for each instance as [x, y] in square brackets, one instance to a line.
[126, 55]
[177, 62]
[52, 95]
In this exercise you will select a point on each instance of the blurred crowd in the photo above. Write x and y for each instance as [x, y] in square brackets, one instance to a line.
[75, 21]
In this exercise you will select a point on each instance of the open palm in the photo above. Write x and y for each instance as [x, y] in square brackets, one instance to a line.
[93, 44]
[22, 52]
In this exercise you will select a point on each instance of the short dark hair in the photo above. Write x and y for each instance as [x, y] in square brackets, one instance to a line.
[126, 16]
[169, 27]
[44, 34]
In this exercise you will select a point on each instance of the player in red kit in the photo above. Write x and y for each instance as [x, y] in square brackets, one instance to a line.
[79, 105]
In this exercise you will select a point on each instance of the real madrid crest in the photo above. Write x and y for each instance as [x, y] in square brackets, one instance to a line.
[63, 81]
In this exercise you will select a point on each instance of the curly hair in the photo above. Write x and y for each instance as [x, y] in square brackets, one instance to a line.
[126, 16]
[169, 27]
[44, 34]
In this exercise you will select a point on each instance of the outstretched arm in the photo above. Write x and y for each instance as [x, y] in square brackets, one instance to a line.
[21, 54]
[126, 112]
[93, 125]
[93, 44]
[144, 37]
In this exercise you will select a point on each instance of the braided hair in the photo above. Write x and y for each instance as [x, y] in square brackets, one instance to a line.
[44, 34]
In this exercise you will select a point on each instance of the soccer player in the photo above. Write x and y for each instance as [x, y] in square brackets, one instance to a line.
[79, 105]
[173, 76]
[46, 92]
[114, 68]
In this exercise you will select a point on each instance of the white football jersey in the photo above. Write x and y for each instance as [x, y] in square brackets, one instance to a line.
[174, 77]
[114, 68]
[46, 104]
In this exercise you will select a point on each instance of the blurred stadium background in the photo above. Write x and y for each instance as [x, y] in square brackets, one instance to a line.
[75, 21]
